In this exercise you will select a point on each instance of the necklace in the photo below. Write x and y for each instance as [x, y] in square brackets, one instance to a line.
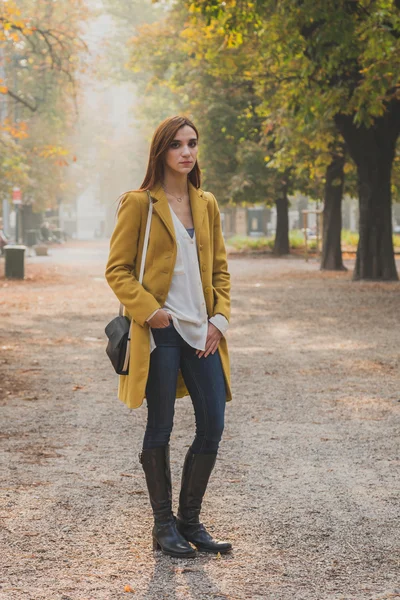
[179, 198]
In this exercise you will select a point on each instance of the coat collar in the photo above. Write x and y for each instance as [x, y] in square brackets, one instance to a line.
[198, 205]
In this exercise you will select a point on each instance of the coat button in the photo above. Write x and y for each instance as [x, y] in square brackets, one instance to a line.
[204, 268]
[201, 246]
[206, 290]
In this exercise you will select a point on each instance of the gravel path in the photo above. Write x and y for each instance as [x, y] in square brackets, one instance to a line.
[306, 485]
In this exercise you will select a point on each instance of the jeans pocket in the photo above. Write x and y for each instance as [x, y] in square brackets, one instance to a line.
[161, 328]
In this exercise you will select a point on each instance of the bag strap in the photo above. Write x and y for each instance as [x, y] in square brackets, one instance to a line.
[145, 246]
[146, 238]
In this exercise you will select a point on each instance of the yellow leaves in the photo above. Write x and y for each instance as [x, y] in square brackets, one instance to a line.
[3, 89]
[129, 589]
[18, 131]
[11, 25]
[189, 33]
[19, 24]
[57, 154]
[52, 151]
[234, 39]
[194, 9]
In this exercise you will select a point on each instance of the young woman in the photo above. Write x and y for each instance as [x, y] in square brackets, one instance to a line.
[179, 315]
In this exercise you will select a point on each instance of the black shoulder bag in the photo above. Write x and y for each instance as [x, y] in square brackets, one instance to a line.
[119, 329]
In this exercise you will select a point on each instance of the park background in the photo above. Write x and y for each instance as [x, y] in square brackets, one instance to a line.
[298, 108]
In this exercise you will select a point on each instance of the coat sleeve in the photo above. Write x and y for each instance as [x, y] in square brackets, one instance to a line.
[221, 279]
[120, 268]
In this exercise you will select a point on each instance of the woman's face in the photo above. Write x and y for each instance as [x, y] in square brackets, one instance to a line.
[181, 155]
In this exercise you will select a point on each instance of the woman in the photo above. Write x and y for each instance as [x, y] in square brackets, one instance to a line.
[180, 315]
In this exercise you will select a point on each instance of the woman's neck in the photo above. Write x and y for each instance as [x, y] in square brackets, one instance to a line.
[176, 184]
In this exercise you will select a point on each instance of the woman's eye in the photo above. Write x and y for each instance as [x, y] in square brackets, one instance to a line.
[191, 144]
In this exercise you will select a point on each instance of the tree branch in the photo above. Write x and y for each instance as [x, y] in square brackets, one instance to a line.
[22, 101]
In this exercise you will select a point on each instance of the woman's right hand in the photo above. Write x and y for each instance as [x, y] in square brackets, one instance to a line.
[160, 320]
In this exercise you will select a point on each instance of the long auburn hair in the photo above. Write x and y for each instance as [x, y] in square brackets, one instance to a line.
[162, 137]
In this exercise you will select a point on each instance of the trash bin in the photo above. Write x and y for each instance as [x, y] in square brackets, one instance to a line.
[15, 261]
[31, 237]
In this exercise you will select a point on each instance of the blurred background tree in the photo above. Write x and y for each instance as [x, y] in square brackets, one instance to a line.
[40, 55]
[332, 62]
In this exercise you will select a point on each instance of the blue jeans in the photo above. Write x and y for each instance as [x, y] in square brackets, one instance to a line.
[204, 379]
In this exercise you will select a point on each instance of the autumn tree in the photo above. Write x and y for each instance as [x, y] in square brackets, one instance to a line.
[40, 54]
[186, 67]
[340, 62]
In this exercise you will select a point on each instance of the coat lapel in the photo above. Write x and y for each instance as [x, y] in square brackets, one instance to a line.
[160, 206]
[198, 205]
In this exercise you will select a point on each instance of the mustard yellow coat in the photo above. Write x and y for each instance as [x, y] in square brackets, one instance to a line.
[122, 273]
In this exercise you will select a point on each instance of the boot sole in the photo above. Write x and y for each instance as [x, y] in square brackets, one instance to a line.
[157, 547]
[203, 549]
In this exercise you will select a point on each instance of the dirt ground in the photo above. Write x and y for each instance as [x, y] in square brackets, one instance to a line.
[306, 485]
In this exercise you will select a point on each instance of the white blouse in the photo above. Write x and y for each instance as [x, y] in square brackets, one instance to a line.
[185, 300]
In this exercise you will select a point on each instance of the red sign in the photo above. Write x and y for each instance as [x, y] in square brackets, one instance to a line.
[17, 195]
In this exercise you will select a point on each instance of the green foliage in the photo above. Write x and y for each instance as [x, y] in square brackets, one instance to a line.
[311, 61]
[248, 243]
[350, 239]
[242, 243]
[321, 58]
[182, 65]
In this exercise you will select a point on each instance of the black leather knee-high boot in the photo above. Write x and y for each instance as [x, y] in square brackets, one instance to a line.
[156, 466]
[195, 475]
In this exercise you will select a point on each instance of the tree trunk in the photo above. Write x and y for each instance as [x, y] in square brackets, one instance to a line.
[331, 259]
[281, 243]
[373, 150]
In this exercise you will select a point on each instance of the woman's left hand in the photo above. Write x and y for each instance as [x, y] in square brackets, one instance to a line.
[213, 338]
